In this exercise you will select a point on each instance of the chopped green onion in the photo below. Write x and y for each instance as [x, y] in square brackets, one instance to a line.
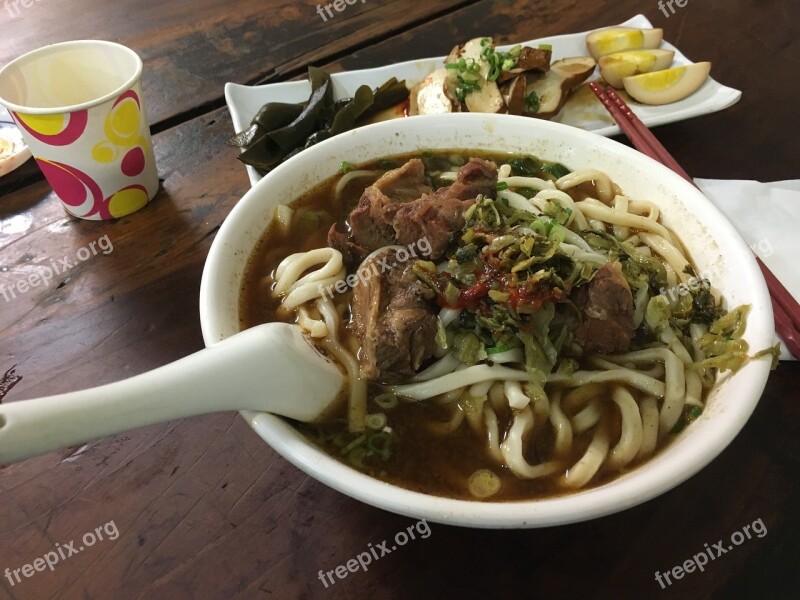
[356, 442]
[527, 165]
[465, 86]
[340, 439]
[545, 46]
[483, 484]
[356, 457]
[501, 185]
[532, 103]
[376, 421]
[386, 401]
[539, 227]
[380, 444]
[690, 413]
[346, 166]
[497, 349]
[557, 170]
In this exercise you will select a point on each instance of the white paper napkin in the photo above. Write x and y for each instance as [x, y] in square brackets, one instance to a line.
[767, 215]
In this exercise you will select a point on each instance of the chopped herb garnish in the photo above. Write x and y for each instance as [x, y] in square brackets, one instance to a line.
[557, 170]
[497, 349]
[465, 86]
[690, 413]
[527, 166]
[532, 103]
[346, 166]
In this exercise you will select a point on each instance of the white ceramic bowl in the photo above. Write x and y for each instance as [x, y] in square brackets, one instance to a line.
[716, 248]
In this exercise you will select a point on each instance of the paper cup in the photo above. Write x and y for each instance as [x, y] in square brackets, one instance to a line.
[79, 107]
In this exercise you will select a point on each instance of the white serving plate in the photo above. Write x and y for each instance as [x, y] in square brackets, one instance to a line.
[245, 101]
[10, 136]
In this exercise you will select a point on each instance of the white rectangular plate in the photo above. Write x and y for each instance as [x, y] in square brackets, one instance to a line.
[245, 101]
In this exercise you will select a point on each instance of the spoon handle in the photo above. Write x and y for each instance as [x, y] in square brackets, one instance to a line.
[269, 368]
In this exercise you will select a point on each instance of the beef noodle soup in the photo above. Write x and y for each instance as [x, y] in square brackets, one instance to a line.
[510, 329]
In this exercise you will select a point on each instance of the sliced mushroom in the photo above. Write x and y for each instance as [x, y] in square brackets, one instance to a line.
[553, 87]
[454, 55]
[534, 58]
[430, 96]
[530, 59]
[488, 99]
[473, 48]
[514, 95]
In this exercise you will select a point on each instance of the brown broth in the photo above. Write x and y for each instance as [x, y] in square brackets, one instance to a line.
[440, 465]
[421, 460]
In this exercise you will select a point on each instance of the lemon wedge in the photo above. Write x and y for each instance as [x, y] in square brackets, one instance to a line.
[670, 85]
[615, 67]
[619, 39]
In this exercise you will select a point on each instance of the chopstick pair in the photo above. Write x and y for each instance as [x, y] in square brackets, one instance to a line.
[784, 306]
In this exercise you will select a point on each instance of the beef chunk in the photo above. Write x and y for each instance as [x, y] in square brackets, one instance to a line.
[404, 183]
[394, 316]
[352, 253]
[370, 227]
[478, 176]
[606, 303]
[434, 218]
[400, 208]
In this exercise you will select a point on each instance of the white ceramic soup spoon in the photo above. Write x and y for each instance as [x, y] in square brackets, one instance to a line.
[271, 368]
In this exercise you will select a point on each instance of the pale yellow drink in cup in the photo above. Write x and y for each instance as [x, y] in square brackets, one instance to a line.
[79, 107]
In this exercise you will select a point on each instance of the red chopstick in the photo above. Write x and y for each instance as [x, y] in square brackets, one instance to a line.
[784, 306]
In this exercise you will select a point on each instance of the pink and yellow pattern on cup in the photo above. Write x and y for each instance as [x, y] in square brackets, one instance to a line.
[96, 153]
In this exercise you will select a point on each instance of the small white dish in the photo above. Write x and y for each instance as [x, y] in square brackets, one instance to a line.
[717, 250]
[244, 101]
[13, 149]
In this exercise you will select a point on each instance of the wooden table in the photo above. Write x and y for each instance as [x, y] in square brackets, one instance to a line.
[202, 508]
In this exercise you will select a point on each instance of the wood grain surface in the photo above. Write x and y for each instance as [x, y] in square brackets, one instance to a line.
[205, 509]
